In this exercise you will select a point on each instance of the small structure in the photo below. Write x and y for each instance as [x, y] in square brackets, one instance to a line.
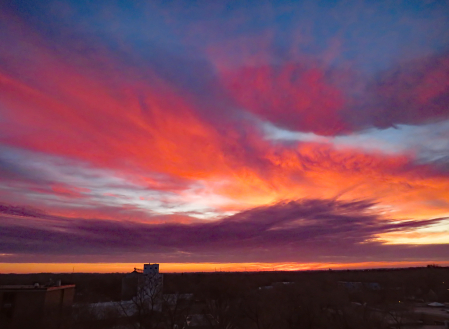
[358, 286]
[372, 286]
[283, 283]
[277, 285]
[36, 306]
[150, 268]
[351, 286]
[199, 321]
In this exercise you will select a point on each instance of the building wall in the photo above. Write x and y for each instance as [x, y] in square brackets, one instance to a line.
[26, 305]
[37, 309]
[130, 285]
[58, 304]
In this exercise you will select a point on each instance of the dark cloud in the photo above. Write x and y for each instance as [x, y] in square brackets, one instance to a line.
[298, 230]
[414, 92]
[21, 211]
[312, 97]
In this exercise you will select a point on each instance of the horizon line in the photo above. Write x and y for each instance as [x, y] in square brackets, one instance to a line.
[207, 267]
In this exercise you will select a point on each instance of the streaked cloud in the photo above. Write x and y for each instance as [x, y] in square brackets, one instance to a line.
[303, 230]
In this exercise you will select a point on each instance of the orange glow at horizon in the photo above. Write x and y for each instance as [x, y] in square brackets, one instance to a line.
[23, 268]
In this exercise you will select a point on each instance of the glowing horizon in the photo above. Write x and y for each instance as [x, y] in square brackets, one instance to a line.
[30, 268]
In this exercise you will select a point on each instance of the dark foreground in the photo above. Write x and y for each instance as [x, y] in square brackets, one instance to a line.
[394, 298]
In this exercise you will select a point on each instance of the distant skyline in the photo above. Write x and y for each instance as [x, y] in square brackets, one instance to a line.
[271, 134]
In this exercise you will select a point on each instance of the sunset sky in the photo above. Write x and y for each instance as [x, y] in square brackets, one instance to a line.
[223, 134]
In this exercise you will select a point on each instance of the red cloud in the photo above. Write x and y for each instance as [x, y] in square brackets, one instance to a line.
[68, 191]
[293, 96]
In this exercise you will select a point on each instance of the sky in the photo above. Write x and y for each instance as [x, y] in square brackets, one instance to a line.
[236, 135]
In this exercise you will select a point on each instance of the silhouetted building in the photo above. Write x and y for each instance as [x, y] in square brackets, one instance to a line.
[148, 282]
[130, 284]
[35, 306]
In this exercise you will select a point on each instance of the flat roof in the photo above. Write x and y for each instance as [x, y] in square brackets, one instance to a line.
[30, 287]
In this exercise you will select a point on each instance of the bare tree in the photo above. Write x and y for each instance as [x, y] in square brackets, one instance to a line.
[175, 307]
[258, 309]
[223, 313]
[144, 309]
[399, 314]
